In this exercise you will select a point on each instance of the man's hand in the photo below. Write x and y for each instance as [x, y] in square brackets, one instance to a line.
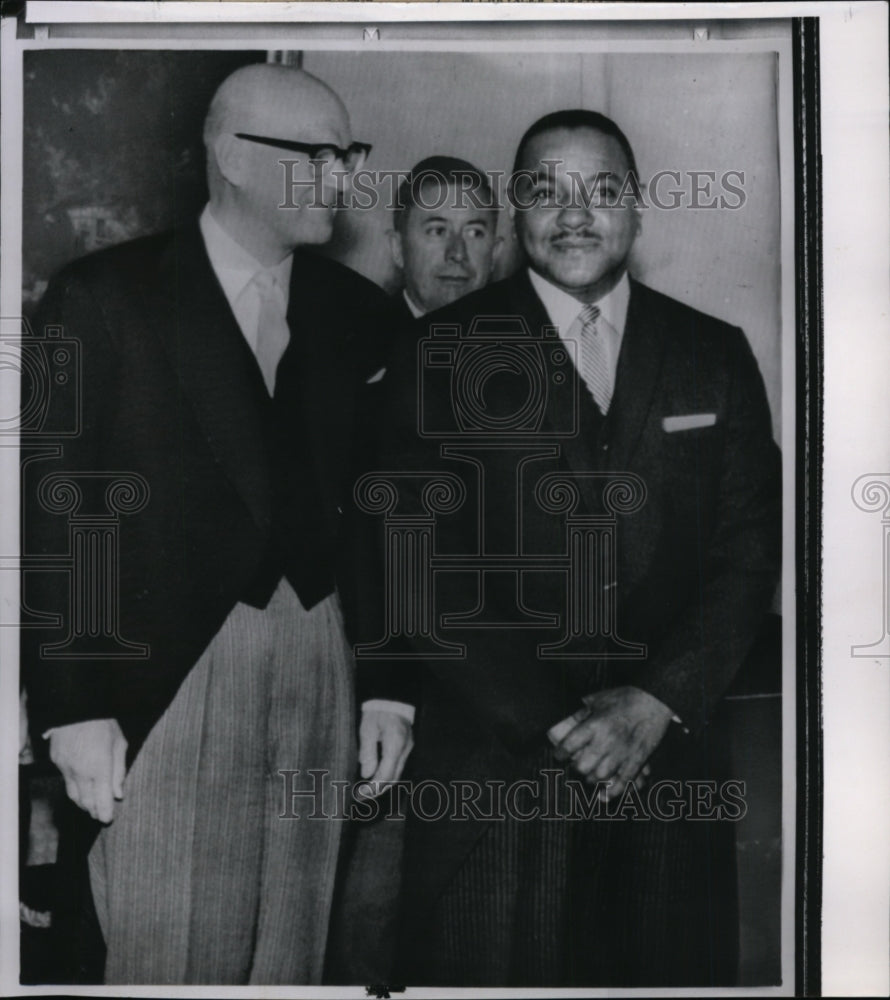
[612, 736]
[385, 740]
[92, 758]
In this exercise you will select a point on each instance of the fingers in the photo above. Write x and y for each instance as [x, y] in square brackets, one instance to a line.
[118, 768]
[91, 757]
[391, 751]
[400, 764]
[601, 751]
[630, 767]
[73, 792]
[78, 785]
[558, 732]
[385, 741]
[103, 800]
[368, 750]
[92, 794]
[615, 779]
[586, 736]
[590, 764]
[614, 734]
[612, 790]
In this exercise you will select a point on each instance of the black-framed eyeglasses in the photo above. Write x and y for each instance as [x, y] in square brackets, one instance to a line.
[326, 152]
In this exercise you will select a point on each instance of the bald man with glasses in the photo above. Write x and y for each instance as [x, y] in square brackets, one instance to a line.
[223, 365]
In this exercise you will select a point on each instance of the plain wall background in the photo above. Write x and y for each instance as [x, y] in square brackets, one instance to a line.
[686, 112]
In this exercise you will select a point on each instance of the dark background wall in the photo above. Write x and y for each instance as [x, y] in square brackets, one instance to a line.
[112, 149]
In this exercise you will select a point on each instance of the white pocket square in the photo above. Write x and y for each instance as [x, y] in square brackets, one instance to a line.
[376, 377]
[688, 422]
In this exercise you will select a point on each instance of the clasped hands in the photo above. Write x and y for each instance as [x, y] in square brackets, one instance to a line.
[611, 737]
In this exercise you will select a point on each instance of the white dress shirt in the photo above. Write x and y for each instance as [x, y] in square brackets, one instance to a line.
[235, 269]
[564, 310]
[415, 311]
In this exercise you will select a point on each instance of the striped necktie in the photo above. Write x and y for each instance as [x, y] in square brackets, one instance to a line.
[595, 369]
[273, 334]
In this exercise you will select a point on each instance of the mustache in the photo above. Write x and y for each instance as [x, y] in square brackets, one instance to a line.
[576, 235]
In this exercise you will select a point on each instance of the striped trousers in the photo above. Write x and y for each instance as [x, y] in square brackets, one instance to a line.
[205, 876]
[574, 902]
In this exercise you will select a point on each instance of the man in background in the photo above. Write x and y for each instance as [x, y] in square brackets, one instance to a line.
[444, 238]
[444, 242]
[221, 368]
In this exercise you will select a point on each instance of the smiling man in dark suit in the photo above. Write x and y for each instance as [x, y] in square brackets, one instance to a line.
[648, 428]
[221, 368]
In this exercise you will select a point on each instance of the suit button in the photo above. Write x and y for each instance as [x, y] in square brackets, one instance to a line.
[339, 510]
[606, 447]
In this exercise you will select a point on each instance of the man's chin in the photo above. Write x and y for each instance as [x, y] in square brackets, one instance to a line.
[575, 278]
[316, 229]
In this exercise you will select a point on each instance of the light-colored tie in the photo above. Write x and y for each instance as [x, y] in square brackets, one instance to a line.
[595, 368]
[273, 334]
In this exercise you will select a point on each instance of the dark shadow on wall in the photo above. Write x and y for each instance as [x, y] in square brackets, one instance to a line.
[112, 149]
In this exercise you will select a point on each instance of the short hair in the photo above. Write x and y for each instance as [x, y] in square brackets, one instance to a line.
[448, 171]
[576, 118]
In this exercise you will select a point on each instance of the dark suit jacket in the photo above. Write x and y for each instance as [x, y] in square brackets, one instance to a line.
[172, 392]
[696, 565]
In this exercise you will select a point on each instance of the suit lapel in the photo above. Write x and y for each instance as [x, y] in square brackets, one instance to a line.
[639, 368]
[562, 415]
[570, 409]
[217, 370]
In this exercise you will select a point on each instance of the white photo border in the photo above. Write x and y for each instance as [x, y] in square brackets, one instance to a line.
[855, 930]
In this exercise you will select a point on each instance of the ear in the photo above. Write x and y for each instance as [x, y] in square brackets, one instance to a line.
[496, 248]
[231, 158]
[395, 248]
[513, 215]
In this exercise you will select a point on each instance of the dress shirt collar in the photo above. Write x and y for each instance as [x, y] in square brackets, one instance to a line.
[563, 309]
[233, 265]
[416, 311]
